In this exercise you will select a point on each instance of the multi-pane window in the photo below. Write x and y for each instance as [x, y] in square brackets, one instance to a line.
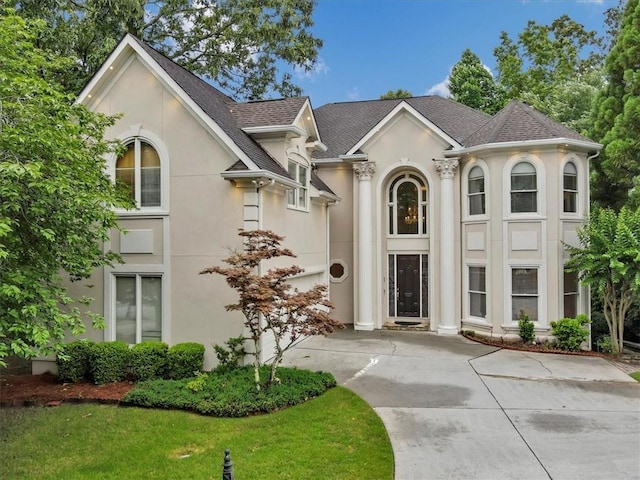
[570, 188]
[524, 293]
[477, 292]
[407, 205]
[476, 192]
[297, 197]
[138, 308]
[524, 188]
[571, 291]
[139, 169]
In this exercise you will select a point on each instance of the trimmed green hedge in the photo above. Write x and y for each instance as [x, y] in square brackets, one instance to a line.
[149, 360]
[232, 394]
[571, 332]
[75, 367]
[185, 360]
[109, 361]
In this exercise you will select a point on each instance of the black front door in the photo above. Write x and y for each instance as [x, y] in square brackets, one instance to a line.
[408, 285]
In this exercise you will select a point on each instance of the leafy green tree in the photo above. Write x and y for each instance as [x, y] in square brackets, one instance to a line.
[616, 122]
[544, 56]
[472, 84]
[240, 44]
[399, 93]
[269, 303]
[608, 259]
[55, 199]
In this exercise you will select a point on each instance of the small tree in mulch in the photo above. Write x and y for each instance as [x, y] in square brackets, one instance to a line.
[269, 303]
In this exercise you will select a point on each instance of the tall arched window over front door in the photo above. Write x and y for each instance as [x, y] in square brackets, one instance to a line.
[407, 204]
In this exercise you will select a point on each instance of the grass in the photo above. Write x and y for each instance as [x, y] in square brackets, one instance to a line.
[334, 436]
[635, 375]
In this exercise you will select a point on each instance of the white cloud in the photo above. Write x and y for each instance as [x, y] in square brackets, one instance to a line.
[441, 88]
[309, 71]
[354, 94]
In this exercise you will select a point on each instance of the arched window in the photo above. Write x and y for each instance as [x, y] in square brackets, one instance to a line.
[524, 188]
[570, 188]
[407, 203]
[476, 192]
[139, 169]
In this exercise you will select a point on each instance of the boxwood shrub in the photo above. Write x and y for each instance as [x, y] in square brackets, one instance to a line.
[571, 332]
[109, 361]
[149, 360]
[232, 393]
[184, 360]
[73, 365]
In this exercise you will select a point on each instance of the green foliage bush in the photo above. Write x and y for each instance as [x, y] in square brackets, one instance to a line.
[149, 360]
[604, 344]
[109, 361]
[526, 328]
[570, 332]
[232, 393]
[229, 357]
[73, 364]
[185, 360]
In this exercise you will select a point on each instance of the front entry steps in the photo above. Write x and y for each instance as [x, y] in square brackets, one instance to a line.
[407, 325]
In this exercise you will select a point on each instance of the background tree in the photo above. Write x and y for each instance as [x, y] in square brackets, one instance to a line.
[608, 260]
[616, 122]
[399, 93]
[544, 56]
[472, 84]
[269, 303]
[240, 44]
[55, 199]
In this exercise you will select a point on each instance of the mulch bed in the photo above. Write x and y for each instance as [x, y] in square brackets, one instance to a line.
[537, 348]
[45, 390]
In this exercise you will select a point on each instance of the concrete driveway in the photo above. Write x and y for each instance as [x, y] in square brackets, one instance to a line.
[455, 409]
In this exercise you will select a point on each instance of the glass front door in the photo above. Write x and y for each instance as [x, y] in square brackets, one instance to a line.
[408, 285]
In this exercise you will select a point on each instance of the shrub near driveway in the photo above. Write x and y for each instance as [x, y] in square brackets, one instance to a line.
[231, 394]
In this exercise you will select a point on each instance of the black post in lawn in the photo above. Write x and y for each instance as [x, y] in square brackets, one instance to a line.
[227, 466]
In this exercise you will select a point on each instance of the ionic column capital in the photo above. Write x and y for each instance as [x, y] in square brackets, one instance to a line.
[446, 166]
[364, 170]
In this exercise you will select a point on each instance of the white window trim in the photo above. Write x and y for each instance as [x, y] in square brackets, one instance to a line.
[466, 216]
[345, 272]
[541, 196]
[467, 302]
[542, 321]
[580, 180]
[422, 202]
[110, 299]
[295, 205]
[133, 133]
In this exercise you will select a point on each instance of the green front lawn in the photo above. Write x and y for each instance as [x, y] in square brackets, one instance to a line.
[635, 375]
[334, 436]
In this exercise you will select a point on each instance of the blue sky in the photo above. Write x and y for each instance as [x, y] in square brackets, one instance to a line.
[372, 46]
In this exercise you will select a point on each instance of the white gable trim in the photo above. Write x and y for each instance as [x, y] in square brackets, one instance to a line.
[309, 119]
[115, 60]
[404, 106]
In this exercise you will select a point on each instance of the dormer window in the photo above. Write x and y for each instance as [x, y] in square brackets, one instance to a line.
[298, 197]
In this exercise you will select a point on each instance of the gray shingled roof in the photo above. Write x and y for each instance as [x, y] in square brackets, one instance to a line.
[342, 125]
[217, 106]
[260, 113]
[518, 122]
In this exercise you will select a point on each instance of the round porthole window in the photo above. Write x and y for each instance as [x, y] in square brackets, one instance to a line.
[337, 271]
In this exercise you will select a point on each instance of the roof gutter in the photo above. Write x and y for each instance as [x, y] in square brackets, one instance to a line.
[259, 174]
[566, 142]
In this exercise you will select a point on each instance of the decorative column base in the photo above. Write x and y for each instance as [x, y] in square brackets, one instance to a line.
[448, 330]
[364, 327]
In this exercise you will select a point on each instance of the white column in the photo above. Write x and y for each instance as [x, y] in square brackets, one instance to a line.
[448, 323]
[364, 321]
